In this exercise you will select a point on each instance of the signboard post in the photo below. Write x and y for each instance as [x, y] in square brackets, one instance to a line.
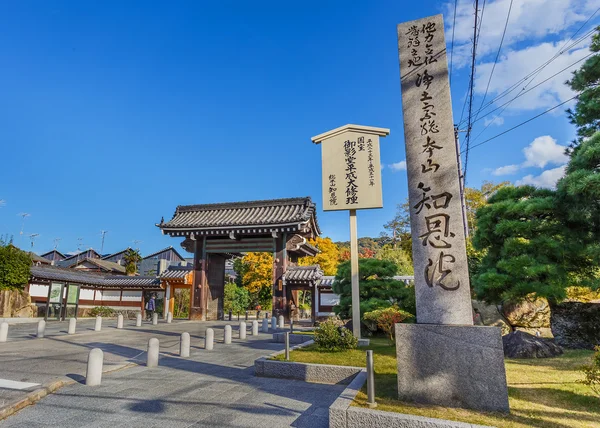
[351, 179]
[443, 358]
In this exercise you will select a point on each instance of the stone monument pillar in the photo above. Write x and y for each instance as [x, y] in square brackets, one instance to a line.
[443, 359]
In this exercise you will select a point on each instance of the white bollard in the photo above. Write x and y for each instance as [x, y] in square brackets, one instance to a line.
[154, 318]
[184, 345]
[254, 328]
[3, 332]
[41, 330]
[281, 321]
[152, 360]
[273, 323]
[98, 325]
[120, 321]
[169, 318]
[93, 375]
[242, 330]
[209, 341]
[72, 326]
[265, 325]
[227, 339]
[138, 320]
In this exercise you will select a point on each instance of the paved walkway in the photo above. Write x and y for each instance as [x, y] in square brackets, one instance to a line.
[212, 388]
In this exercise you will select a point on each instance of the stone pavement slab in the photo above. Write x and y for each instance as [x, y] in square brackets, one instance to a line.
[212, 388]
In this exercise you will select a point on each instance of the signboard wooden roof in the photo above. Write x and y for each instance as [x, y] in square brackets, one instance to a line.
[351, 174]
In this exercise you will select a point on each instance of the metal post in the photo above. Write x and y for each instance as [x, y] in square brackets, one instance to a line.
[354, 270]
[461, 182]
[370, 380]
[246, 315]
[291, 325]
[230, 314]
[287, 345]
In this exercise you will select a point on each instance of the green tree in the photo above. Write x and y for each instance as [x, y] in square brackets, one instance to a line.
[398, 256]
[586, 81]
[377, 288]
[578, 208]
[132, 258]
[15, 267]
[235, 299]
[477, 198]
[524, 245]
[398, 229]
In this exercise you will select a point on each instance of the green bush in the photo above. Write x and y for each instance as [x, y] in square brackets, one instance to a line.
[592, 373]
[103, 311]
[386, 319]
[329, 336]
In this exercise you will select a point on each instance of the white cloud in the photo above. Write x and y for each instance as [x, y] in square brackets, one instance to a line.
[546, 179]
[398, 166]
[530, 20]
[516, 64]
[543, 151]
[540, 152]
[506, 170]
[498, 120]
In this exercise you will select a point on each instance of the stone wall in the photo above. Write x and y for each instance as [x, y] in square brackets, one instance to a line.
[576, 325]
[16, 304]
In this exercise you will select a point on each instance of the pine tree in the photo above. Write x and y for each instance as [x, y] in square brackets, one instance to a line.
[586, 81]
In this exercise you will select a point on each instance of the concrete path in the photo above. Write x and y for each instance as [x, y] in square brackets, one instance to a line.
[212, 388]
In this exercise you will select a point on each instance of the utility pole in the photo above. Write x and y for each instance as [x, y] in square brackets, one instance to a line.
[33, 236]
[461, 183]
[103, 233]
[24, 216]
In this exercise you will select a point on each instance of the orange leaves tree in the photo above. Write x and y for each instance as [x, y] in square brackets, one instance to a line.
[327, 259]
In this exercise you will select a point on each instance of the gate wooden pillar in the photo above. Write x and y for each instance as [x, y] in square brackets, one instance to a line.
[198, 297]
[279, 267]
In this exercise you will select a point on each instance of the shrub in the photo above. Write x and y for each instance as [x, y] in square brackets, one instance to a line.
[385, 319]
[329, 336]
[592, 372]
[103, 311]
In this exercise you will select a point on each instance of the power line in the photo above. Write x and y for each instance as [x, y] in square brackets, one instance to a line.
[495, 61]
[528, 90]
[471, 84]
[536, 72]
[452, 44]
[521, 124]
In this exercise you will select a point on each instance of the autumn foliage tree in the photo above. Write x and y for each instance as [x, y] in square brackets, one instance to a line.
[328, 257]
[256, 271]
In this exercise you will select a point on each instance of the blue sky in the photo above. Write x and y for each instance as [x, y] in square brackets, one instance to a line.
[114, 113]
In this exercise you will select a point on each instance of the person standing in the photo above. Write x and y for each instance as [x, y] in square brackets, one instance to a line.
[151, 307]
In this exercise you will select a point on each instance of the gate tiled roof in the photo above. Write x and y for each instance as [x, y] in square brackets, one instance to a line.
[303, 274]
[295, 214]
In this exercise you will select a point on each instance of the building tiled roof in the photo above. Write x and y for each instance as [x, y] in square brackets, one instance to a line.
[75, 276]
[164, 250]
[39, 259]
[303, 274]
[326, 281]
[233, 216]
[176, 272]
[108, 256]
[105, 265]
[51, 255]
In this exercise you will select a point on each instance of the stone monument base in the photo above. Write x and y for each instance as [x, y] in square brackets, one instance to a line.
[451, 366]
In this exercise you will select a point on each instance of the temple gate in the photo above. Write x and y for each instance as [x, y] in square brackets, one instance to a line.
[216, 232]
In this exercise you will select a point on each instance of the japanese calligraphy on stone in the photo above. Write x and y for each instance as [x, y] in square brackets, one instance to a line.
[441, 274]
